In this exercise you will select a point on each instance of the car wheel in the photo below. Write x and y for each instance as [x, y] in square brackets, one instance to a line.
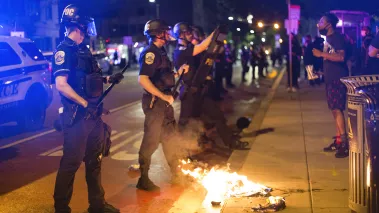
[33, 113]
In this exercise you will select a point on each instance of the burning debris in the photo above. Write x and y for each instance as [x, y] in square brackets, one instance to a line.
[221, 184]
[273, 204]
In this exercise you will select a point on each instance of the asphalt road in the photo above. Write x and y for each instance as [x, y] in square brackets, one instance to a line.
[29, 161]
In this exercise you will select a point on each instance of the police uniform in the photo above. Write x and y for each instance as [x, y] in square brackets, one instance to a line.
[83, 139]
[84, 136]
[193, 99]
[159, 126]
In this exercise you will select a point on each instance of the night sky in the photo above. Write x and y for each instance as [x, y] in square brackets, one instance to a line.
[266, 9]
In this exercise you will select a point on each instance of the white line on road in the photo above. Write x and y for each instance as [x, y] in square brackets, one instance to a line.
[53, 130]
[51, 151]
[119, 145]
[28, 139]
[123, 107]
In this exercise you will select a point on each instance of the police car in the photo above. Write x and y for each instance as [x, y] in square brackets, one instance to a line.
[25, 91]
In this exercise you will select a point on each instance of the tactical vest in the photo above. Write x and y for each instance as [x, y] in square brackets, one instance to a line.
[164, 78]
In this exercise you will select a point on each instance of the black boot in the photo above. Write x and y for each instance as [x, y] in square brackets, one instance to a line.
[107, 208]
[144, 183]
[343, 150]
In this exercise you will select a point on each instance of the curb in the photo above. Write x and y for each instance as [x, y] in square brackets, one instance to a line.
[238, 157]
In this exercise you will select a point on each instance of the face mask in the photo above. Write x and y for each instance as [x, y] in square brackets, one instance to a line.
[323, 31]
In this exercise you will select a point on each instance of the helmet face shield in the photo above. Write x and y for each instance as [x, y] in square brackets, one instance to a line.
[91, 29]
[170, 35]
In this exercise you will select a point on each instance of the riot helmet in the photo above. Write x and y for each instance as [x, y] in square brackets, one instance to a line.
[183, 28]
[155, 27]
[198, 32]
[73, 16]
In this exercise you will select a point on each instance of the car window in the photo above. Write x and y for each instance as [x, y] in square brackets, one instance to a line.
[8, 56]
[32, 51]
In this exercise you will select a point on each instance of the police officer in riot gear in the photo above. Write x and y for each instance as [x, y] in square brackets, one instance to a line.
[196, 101]
[80, 84]
[185, 52]
[157, 78]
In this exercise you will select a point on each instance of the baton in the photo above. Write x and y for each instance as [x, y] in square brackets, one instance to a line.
[174, 92]
[102, 97]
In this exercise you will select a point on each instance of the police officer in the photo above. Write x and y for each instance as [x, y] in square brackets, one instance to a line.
[193, 98]
[80, 84]
[157, 78]
[185, 52]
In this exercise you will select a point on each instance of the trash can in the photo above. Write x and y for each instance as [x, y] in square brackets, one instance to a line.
[371, 96]
[357, 141]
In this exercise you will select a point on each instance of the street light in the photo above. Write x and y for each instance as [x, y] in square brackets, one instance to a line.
[263, 40]
[231, 18]
[252, 31]
[280, 40]
[251, 43]
[260, 24]
[276, 26]
[250, 21]
[156, 7]
[249, 17]
[238, 29]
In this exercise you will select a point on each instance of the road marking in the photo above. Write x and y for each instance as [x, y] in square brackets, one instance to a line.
[53, 130]
[58, 153]
[119, 135]
[51, 151]
[128, 140]
[28, 139]
[123, 107]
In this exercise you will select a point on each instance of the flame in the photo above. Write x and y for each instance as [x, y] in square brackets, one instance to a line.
[220, 183]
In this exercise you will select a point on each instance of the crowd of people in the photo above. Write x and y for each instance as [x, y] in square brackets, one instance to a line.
[332, 57]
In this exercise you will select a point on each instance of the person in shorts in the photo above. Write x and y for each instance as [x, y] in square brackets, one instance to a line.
[334, 69]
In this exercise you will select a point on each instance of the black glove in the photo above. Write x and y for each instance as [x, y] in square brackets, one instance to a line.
[91, 112]
[116, 78]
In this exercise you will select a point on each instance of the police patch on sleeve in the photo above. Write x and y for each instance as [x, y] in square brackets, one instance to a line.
[149, 58]
[59, 57]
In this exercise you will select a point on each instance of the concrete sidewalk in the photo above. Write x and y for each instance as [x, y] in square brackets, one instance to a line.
[289, 157]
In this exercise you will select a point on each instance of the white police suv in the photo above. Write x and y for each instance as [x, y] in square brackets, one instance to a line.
[25, 91]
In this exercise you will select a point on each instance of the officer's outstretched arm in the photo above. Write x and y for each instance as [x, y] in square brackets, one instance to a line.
[66, 90]
[146, 83]
[203, 45]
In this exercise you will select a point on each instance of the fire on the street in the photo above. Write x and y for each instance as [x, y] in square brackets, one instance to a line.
[221, 184]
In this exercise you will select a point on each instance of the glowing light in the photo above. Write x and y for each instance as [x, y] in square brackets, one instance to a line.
[276, 26]
[368, 174]
[250, 21]
[339, 24]
[250, 17]
[152, 1]
[267, 52]
[251, 43]
[280, 40]
[231, 18]
[252, 31]
[260, 24]
[263, 40]
[35, 57]
[238, 29]
[135, 44]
